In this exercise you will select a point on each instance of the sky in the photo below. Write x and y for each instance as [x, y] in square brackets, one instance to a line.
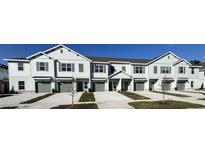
[144, 51]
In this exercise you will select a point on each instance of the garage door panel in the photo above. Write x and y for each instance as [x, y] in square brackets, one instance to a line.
[180, 86]
[139, 86]
[99, 86]
[166, 86]
[65, 87]
[43, 87]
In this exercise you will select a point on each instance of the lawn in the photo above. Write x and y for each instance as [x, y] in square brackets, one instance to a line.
[87, 97]
[9, 107]
[201, 99]
[172, 94]
[37, 99]
[133, 96]
[5, 95]
[77, 106]
[169, 104]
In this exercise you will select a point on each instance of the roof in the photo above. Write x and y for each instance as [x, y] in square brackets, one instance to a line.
[3, 66]
[108, 59]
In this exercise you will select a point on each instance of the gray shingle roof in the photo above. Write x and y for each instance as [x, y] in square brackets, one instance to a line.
[107, 59]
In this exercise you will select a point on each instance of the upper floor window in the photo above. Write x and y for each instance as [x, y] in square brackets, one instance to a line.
[192, 71]
[155, 69]
[192, 84]
[99, 68]
[124, 68]
[66, 67]
[21, 85]
[139, 69]
[165, 70]
[20, 66]
[42, 66]
[182, 70]
[81, 68]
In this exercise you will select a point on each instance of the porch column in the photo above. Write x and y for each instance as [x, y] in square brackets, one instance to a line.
[131, 86]
[119, 86]
[107, 85]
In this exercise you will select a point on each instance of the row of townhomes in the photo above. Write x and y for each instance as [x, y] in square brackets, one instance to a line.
[61, 69]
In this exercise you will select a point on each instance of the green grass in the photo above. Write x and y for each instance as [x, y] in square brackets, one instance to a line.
[172, 94]
[5, 95]
[201, 99]
[37, 99]
[87, 97]
[77, 106]
[133, 96]
[170, 104]
[9, 107]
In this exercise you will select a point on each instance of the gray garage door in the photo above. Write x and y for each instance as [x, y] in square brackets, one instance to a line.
[180, 86]
[139, 86]
[65, 87]
[99, 86]
[166, 86]
[43, 87]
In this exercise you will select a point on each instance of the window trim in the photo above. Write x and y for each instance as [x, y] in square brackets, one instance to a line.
[182, 70]
[99, 68]
[165, 70]
[139, 69]
[20, 86]
[21, 66]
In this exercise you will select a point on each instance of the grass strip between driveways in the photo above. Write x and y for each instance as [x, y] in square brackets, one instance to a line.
[172, 94]
[33, 100]
[5, 95]
[169, 104]
[87, 97]
[133, 96]
[9, 107]
[201, 99]
[77, 106]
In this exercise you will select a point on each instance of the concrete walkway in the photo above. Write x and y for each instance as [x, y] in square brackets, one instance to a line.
[112, 100]
[53, 101]
[18, 98]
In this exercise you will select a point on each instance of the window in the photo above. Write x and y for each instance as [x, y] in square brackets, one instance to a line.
[61, 51]
[20, 66]
[99, 69]
[81, 68]
[42, 66]
[192, 71]
[165, 70]
[21, 85]
[182, 70]
[65, 67]
[155, 69]
[139, 69]
[192, 84]
[124, 68]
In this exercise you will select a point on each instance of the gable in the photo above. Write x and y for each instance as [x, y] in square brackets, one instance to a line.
[119, 75]
[168, 58]
[59, 52]
[182, 62]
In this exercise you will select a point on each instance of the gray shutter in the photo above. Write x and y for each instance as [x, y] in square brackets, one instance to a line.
[143, 70]
[73, 67]
[104, 67]
[60, 66]
[92, 68]
[46, 66]
[37, 66]
[81, 68]
[133, 69]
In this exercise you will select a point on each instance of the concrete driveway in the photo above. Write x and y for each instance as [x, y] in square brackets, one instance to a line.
[17, 98]
[112, 100]
[52, 101]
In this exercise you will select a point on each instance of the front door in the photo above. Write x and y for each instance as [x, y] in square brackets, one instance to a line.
[80, 86]
[125, 85]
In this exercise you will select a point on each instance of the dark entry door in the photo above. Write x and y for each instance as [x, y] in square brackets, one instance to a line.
[80, 86]
[125, 85]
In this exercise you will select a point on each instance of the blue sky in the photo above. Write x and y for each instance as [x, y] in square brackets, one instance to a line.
[147, 51]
